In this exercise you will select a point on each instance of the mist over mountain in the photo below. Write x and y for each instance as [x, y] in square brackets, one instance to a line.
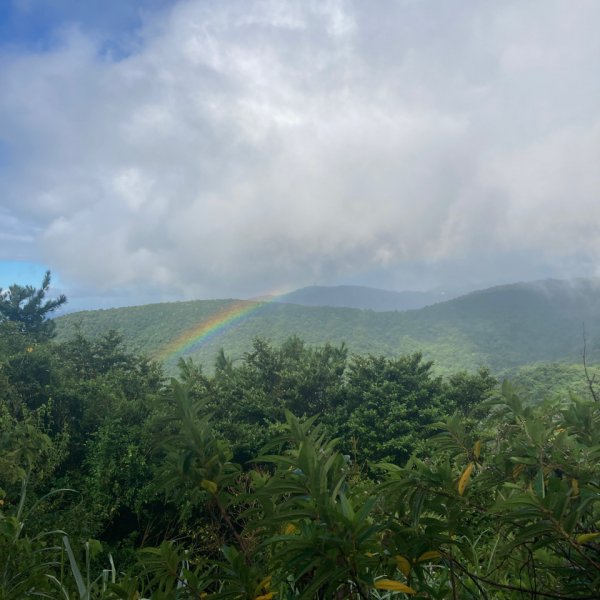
[501, 327]
[355, 296]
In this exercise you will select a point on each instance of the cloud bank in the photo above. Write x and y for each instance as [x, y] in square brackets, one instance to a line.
[241, 147]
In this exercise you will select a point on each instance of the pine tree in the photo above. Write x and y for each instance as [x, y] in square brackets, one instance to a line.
[27, 308]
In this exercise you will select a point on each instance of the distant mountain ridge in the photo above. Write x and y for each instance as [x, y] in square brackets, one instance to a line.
[356, 296]
[502, 327]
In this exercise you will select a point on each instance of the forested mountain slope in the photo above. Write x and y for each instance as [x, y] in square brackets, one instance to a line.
[502, 327]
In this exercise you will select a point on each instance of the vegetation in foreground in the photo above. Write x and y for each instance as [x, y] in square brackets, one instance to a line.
[116, 483]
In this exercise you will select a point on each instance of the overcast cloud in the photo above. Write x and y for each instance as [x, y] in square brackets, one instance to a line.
[239, 147]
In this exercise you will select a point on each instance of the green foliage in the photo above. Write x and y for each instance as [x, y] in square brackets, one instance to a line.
[465, 392]
[322, 539]
[25, 307]
[508, 512]
[247, 401]
[195, 457]
[23, 449]
[548, 381]
[80, 415]
[392, 405]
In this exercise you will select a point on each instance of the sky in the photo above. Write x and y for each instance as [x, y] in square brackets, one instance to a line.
[158, 150]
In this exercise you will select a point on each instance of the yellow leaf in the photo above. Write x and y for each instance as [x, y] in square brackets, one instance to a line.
[575, 487]
[265, 584]
[393, 585]
[586, 537]
[464, 478]
[477, 448]
[209, 486]
[30, 349]
[517, 470]
[402, 564]
[430, 555]
[289, 529]
[264, 596]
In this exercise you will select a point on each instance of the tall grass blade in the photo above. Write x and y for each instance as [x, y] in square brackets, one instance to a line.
[81, 588]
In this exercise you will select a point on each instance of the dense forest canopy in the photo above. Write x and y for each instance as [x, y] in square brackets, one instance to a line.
[298, 471]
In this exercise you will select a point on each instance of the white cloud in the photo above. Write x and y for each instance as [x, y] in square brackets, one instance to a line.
[251, 145]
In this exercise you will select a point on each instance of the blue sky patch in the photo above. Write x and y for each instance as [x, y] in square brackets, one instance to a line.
[36, 24]
[22, 272]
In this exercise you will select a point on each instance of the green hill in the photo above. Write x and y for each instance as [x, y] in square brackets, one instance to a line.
[501, 327]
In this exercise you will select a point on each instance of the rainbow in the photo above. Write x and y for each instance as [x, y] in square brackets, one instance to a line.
[210, 327]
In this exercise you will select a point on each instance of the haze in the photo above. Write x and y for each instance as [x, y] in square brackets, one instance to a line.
[196, 149]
